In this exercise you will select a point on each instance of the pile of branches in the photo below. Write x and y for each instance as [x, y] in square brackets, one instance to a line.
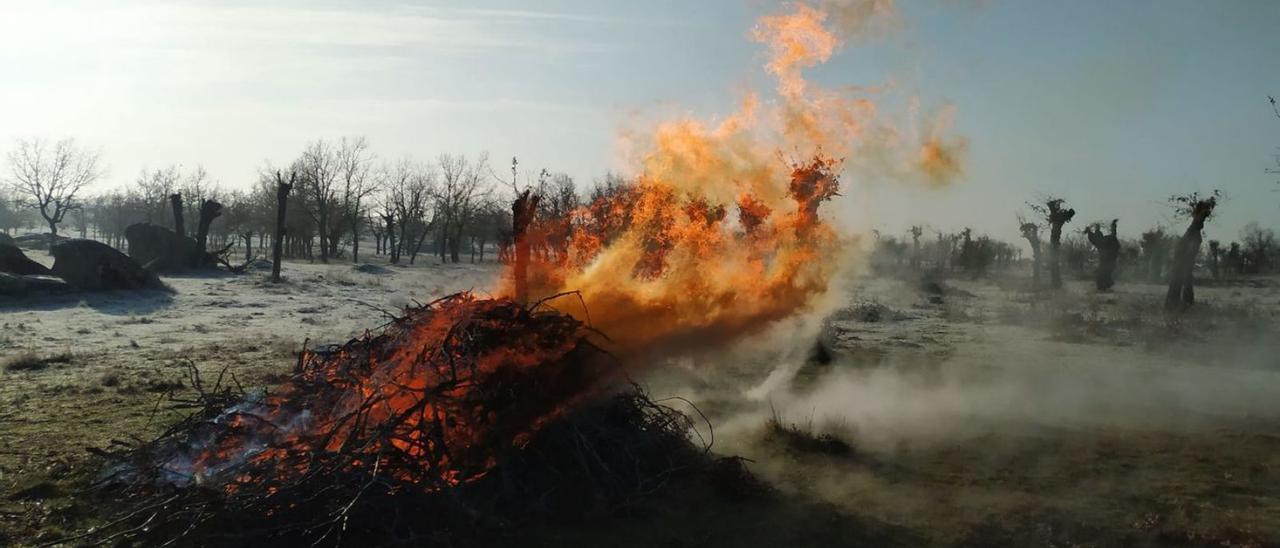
[461, 421]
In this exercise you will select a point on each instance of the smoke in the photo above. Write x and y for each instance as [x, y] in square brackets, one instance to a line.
[1007, 387]
[848, 122]
[941, 154]
[862, 18]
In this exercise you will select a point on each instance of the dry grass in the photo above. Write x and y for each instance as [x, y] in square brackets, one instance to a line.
[803, 437]
[33, 361]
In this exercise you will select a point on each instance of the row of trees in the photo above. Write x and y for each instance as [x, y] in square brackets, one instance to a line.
[956, 252]
[454, 207]
[1096, 250]
[1146, 257]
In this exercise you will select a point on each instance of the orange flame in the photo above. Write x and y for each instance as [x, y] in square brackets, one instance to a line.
[665, 261]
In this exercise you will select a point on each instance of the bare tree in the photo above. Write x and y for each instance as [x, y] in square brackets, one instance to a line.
[458, 197]
[916, 231]
[1056, 214]
[354, 164]
[318, 171]
[1259, 245]
[408, 190]
[11, 216]
[1155, 245]
[49, 178]
[1108, 246]
[155, 189]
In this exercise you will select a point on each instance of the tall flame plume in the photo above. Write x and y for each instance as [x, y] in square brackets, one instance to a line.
[718, 235]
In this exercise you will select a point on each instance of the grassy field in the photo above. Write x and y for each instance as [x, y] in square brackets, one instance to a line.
[972, 414]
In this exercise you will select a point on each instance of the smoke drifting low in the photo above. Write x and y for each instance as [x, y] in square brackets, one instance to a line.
[1008, 387]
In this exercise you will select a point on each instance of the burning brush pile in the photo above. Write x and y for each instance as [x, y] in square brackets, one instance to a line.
[474, 412]
[461, 412]
[463, 417]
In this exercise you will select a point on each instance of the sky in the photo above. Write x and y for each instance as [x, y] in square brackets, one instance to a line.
[1111, 105]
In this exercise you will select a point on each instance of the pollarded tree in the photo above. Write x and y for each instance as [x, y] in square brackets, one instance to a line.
[1181, 294]
[1031, 231]
[50, 177]
[1056, 214]
[1108, 246]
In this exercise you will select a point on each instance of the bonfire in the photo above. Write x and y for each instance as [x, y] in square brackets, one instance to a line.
[431, 426]
[421, 413]
[485, 411]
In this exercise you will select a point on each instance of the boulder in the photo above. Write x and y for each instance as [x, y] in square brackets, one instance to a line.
[13, 261]
[13, 285]
[87, 264]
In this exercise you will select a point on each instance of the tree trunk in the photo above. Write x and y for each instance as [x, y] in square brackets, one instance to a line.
[355, 240]
[455, 242]
[390, 244]
[1055, 247]
[1108, 247]
[521, 216]
[209, 210]
[179, 227]
[1215, 255]
[1182, 293]
[282, 198]
[323, 230]
[418, 246]
[1035, 264]
[248, 247]
[442, 244]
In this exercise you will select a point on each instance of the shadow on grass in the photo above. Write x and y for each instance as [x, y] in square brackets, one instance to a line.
[114, 303]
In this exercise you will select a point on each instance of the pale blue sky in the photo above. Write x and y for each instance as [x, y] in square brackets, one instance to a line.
[1112, 105]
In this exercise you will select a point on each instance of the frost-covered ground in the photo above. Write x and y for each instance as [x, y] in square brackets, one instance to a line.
[972, 412]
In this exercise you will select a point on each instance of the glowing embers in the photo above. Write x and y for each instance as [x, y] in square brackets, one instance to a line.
[432, 401]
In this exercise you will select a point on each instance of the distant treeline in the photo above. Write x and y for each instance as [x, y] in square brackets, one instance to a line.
[1142, 258]
[454, 207]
